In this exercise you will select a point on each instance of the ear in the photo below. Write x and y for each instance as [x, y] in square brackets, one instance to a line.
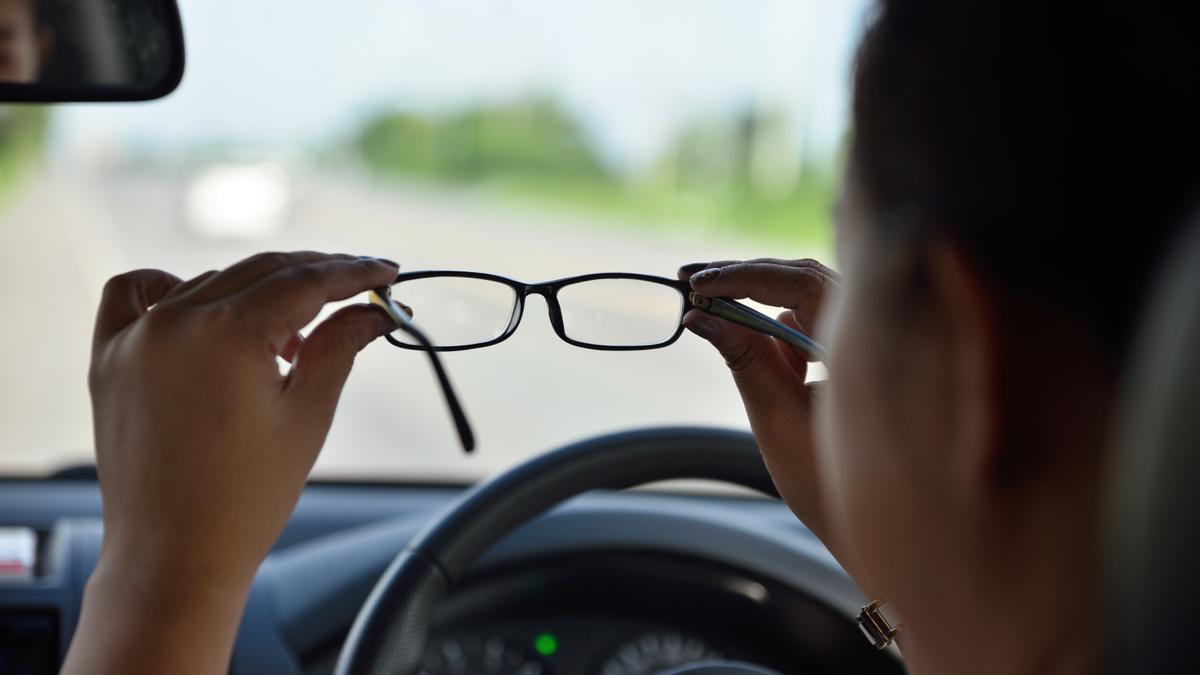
[970, 312]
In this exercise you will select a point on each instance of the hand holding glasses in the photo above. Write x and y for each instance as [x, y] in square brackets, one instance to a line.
[611, 312]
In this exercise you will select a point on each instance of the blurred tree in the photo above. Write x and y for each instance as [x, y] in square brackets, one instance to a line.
[401, 143]
[741, 172]
[22, 137]
[528, 138]
[747, 170]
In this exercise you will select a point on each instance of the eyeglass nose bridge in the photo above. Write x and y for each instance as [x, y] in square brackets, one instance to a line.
[549, 293]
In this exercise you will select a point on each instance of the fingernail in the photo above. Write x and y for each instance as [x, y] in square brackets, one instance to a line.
[691, 268]
[706, 328]
[706, 275]
[370, 258]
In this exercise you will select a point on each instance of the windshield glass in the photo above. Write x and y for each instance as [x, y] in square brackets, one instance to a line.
[534, 139]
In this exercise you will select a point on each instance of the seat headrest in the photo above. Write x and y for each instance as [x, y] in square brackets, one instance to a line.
[1155, 620]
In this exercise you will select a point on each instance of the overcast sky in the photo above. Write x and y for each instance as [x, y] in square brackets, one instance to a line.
[291, 72]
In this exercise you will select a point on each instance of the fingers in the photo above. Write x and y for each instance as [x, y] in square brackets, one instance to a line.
[188, 285]
[768, 283]
[285, 291]
[685, 272]
[323, 361]
[770, 383]
[290, 298]
[127, 297]
[799, 285]
[796, 359]
[252, 269]
[770, 375]
[288, 353]
[745, 350]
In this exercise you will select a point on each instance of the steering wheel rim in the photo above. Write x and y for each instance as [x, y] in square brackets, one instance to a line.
[390, 631]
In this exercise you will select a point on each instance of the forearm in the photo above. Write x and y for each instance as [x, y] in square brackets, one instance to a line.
[130, 624]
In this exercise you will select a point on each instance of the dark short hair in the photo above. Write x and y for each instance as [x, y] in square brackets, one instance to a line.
[1057, 143]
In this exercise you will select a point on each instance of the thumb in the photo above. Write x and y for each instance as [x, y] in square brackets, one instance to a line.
[771, 385]
[324, 359]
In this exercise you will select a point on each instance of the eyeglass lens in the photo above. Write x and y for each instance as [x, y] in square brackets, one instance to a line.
[620, 312]
[457, 311]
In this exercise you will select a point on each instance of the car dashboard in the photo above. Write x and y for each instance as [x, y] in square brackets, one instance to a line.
[610, 583]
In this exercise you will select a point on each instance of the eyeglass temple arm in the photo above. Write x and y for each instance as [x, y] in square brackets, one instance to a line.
[753, 319]
[465, 435]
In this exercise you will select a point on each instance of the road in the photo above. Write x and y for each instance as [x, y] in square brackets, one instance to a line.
[64, 233]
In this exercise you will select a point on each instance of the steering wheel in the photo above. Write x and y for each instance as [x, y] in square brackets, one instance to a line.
[390, 631]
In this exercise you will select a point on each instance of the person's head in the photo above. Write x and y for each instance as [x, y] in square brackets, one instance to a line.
[24, 41]
[1017, 167]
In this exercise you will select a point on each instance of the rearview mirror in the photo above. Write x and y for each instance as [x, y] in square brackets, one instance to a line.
[89, 50]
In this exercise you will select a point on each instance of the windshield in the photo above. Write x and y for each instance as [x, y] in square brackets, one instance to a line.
[534, 139]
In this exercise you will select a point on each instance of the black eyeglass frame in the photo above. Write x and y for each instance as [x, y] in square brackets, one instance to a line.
[549, 291]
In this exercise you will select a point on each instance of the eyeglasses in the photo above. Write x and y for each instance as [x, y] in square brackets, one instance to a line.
[609, 311]
[469, 310]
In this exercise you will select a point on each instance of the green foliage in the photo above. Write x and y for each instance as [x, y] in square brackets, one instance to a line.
[797, 218]
[739, 176]
[22, 135]
[533, 138]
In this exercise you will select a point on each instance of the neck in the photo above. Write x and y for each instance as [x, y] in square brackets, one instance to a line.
[1028, 609]
[1025, 598]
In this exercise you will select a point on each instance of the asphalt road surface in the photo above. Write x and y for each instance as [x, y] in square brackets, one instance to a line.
[62, 235]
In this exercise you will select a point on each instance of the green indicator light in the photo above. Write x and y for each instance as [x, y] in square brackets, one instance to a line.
[545, 644]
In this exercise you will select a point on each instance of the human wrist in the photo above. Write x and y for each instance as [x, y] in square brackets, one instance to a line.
[179, 563]
[131, 623]
[149, 582]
